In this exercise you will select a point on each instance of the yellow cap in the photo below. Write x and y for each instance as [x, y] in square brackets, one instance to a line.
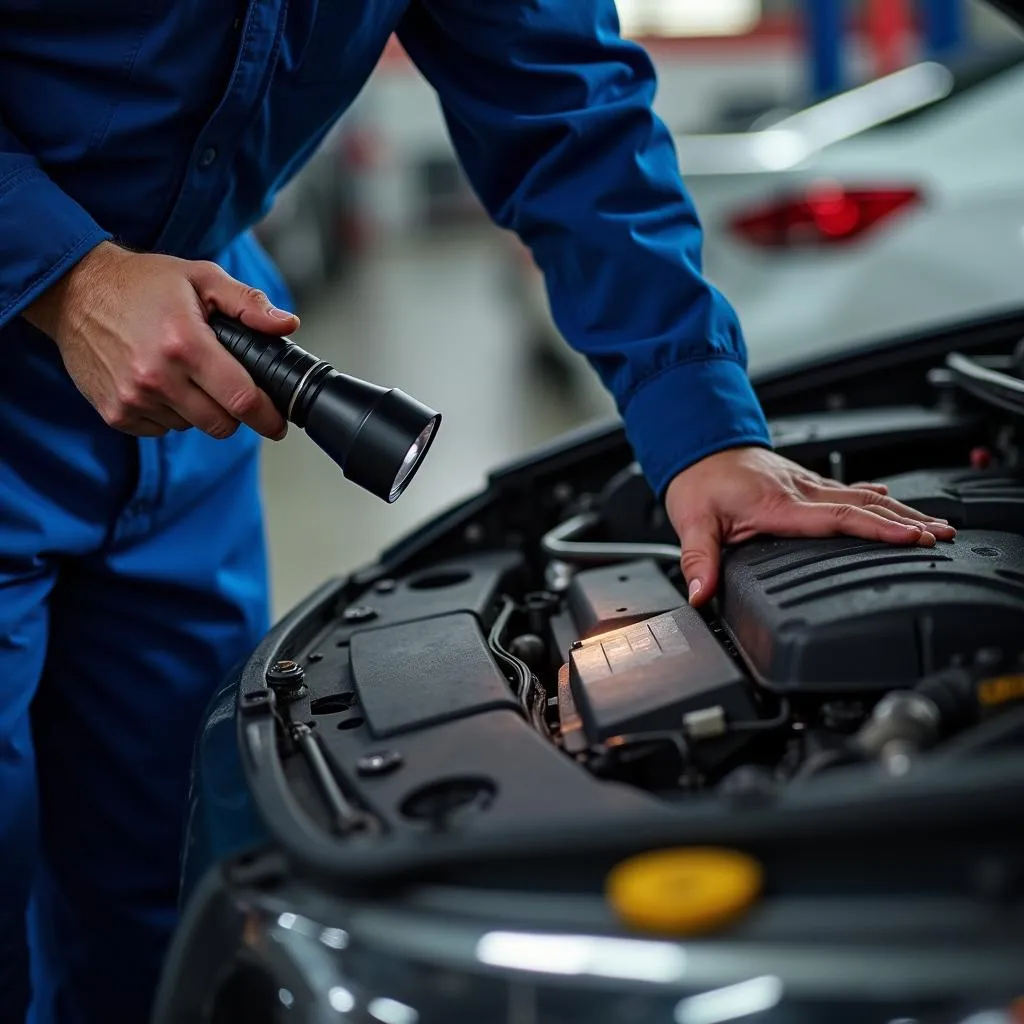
[684, 891]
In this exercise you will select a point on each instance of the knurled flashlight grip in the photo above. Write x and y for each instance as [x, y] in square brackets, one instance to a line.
[288, 374]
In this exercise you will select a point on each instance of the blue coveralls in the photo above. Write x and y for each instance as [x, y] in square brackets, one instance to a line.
[132, 571]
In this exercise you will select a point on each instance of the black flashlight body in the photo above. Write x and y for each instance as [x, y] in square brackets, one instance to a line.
[371, 432]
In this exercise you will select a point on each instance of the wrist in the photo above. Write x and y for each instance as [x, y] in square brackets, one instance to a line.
[64, 305]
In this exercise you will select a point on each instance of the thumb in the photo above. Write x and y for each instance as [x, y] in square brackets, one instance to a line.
[702, 553]
[220, 291]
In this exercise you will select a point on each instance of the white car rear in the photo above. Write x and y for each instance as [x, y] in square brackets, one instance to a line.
[886, 210]
[891, 229]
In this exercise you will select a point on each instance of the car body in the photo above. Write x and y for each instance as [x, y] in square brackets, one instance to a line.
[408, 803]
[892, 207]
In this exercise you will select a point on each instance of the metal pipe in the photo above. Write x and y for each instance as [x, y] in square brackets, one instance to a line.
[561, 543]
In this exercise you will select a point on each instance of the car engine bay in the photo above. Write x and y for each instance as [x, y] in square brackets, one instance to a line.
[529, 661]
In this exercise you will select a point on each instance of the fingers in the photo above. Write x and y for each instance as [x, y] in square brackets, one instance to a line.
[167, 418]
[139, 426]
[872, 499]
[929, 531]
[702, 553]
[191, 380]
[224, 380]
[227, 383]
[219, 290]
[814, 479]
[832, 519]
[196, 406]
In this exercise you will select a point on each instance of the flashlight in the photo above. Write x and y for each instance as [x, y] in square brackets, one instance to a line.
[378, 436]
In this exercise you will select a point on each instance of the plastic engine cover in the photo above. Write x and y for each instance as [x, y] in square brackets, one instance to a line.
[967, 498]
[846, 614]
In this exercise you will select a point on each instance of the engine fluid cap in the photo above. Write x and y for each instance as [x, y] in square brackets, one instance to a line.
[684, 891]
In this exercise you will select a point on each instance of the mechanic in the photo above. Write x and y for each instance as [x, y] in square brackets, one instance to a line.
[138, 144]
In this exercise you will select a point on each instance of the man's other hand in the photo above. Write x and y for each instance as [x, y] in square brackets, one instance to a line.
[735, 495]
[132, 331]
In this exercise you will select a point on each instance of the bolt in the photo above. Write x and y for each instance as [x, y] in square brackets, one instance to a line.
[474, 534]
[562, 492]
[384, 586]
[359, 613]
[315, 657]
[379, 763]
[558, 576]
[285, 678]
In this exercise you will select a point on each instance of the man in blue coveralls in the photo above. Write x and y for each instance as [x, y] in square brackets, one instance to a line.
[139, 140]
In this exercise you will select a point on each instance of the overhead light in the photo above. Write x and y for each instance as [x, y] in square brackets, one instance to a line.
[688, 17]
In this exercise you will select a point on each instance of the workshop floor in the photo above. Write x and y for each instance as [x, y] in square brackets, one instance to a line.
[431, 318]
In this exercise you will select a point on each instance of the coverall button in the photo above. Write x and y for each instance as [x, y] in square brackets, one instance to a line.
[208, 156]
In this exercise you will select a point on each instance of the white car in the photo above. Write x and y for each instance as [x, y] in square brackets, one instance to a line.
[888, 209]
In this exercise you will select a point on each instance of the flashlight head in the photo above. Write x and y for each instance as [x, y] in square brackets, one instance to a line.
[377, 436]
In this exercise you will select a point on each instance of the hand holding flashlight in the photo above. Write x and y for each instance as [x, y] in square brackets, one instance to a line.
[132, 330]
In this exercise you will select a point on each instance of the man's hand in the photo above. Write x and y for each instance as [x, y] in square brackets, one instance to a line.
[737, 494]
[132, 331]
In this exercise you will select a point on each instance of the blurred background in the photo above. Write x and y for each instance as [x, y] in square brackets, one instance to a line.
[858, 166]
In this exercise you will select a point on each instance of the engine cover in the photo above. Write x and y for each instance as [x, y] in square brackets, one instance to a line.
[976, 501]
[844, 614]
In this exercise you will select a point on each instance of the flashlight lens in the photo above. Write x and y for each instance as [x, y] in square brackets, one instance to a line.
[411, 460]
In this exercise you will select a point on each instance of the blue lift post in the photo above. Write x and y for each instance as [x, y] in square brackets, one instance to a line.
[824, 20]
[945, 26]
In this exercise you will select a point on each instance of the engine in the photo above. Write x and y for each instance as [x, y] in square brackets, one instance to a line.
[531, 657]
[454, 752]
[817, 652]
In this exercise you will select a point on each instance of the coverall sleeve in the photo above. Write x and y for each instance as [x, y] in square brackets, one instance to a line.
[43, 231]
[550, 111]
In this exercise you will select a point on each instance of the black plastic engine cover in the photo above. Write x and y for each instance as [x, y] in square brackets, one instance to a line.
[618, 595]
[417, 674]
[967, 498]
[846, 614]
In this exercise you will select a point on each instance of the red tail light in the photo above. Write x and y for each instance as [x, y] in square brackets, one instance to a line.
[823, 215]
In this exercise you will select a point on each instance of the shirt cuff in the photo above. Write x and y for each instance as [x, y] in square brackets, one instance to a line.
[691, 410]
[43, 234]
